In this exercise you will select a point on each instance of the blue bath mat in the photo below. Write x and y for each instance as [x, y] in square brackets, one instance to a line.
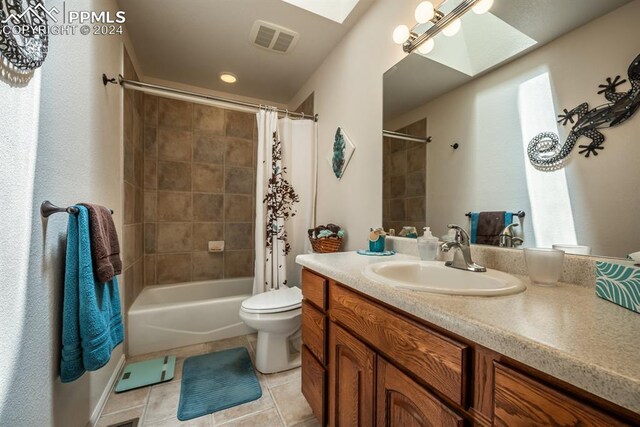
[217, 381]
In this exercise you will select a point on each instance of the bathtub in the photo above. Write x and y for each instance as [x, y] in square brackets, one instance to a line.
[169, 316]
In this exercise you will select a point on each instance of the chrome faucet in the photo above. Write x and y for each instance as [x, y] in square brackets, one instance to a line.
[508, 238]
[461, 245]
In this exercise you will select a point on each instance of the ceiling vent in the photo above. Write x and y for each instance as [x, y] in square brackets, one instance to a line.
[273, 37]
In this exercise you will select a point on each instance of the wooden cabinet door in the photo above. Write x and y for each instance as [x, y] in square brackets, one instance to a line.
[351, 380]
[401, 402]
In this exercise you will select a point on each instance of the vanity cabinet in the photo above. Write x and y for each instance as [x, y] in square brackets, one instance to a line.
[365, 363]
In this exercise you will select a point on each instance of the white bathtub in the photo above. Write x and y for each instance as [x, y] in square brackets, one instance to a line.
[170, 316]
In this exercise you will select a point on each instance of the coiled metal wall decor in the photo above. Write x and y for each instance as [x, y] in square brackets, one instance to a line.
[24, 34]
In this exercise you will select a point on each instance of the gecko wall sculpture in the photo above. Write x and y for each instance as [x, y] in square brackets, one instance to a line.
[545, 151]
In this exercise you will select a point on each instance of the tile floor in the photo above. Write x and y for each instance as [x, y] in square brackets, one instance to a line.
[281, 404]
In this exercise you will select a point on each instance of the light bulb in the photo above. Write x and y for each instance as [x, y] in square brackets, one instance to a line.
[228, 77]
[452, 29]
[424, 12]
[400, 34]
[482, 6]
[426, 47]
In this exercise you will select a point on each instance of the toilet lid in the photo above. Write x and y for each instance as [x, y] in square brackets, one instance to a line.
[283, 299]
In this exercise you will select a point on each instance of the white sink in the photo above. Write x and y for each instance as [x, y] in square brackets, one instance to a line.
[433, 276]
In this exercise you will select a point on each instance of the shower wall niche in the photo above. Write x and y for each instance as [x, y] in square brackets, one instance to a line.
[199, 186]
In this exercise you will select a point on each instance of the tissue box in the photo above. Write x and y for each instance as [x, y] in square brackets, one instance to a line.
[619, 284]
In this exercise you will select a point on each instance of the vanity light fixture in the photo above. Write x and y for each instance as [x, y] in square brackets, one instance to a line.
[449, 24]
[228, 77]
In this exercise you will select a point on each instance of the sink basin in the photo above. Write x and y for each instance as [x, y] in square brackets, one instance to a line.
[433, 276]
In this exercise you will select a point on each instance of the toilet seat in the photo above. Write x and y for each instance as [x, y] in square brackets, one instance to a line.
[283, 299]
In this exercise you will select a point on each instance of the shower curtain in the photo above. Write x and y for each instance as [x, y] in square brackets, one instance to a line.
[285, 198]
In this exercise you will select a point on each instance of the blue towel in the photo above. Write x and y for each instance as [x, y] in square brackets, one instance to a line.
[508, 219]
[91, 317]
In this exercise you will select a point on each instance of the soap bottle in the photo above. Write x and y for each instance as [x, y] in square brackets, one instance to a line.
[428, 245]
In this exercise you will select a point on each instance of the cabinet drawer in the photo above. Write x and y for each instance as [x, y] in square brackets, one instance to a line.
[437, 360]
[522, 401]
[314, 289]
[314, 384]
[313, 331]
[402, 402]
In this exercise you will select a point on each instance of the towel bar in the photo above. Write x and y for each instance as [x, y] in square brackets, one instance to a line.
[47, 209]
[519, 214]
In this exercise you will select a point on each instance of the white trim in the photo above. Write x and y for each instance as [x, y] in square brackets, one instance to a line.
[97, 412]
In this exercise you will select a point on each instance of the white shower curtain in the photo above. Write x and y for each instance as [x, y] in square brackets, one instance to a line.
[275, 259]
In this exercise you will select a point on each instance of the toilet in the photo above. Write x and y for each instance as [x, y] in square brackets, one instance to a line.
[276, 315]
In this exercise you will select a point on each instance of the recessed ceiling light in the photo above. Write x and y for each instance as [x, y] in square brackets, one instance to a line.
[228, 77]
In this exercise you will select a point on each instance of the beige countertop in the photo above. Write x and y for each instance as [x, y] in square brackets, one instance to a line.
[565, 331]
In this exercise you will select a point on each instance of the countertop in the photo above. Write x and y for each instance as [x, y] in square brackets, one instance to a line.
[565, 331]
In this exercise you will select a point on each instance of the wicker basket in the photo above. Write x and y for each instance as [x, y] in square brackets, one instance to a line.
[325, 245]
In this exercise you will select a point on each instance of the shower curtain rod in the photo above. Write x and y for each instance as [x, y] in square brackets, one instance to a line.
[152, 88]
[406, 137]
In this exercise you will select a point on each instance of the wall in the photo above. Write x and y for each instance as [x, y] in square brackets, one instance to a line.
[60, 140]
[348, 94]
[591, 201]
[133, 188]
[199, 185]
[404, 178]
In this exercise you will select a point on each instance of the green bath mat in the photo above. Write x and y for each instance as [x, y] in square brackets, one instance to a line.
[217, 381]
[140, 374]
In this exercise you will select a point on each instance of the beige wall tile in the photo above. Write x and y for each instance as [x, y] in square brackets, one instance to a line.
[203, 232]
[174, 206]
[398, 186]
[129, 203]
[150, 238]
[239, 124]
[206, 266]
[397, 210]
[138, 167]
[208, 148]
[207, 178]
[208, 207]
[208, 118]
[238, 180]
[150, 173]
[238, 208]
[239, 152]
[138, 278]
[238, 264]
[139, 241]
[129, 288]
[416, 184]
[150, 142]
[415, 208]
[175, 176]
[138, 210]
[174, 144]
[129, 245]
[173, 268]
[175, 114]
[150, 206]
[149, 270]
[174, 236]
[417, 158]
[129, 163]
[150, 110]
[238, 235]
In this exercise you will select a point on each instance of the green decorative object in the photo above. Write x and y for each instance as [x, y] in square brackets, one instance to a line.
[619, 284]
[341, 153]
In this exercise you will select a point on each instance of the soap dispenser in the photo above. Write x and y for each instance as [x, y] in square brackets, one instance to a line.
[428, 245]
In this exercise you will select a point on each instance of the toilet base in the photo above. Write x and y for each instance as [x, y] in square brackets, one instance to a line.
[276, 352]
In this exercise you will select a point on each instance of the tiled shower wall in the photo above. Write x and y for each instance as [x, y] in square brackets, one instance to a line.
[404, 179]
[199, 180]
[132, 239]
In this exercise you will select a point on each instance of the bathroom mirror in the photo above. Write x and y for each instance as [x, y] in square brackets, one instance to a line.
[488, 90]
